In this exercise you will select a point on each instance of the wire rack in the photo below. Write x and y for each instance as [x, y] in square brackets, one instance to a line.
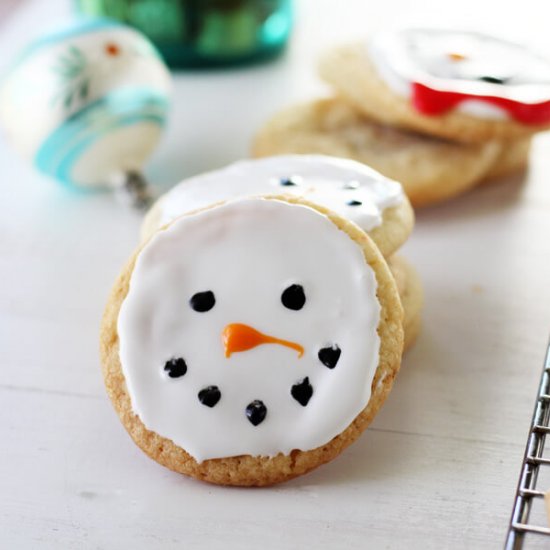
[533, 461]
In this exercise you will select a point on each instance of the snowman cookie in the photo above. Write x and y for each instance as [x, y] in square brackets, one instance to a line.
[454, 84]
[251, 342]
[375, 203]
[429, 168]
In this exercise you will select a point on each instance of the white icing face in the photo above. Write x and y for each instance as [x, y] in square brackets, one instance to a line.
[250, 329]
[349, 188]
[463, 62]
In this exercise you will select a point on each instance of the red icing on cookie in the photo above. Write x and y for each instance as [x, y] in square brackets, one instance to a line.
[436, 102]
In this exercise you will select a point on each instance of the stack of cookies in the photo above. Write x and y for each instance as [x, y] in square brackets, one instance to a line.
[361, 195]
[440, 111]
[259, 327]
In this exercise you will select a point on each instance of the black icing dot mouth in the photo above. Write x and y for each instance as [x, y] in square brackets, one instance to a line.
[291, 181]
[293, 297]
[302, 391]
[202, 301]
[210, 396]
[493, 79]
[175, 367]
[330, 356]
[256, 412]
[354, 202]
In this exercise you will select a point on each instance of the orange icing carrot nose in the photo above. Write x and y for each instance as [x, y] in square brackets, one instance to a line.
[238, 337]
[455, 56]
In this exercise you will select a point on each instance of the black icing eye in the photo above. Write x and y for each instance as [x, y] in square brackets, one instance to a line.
[302, 391]
[329, 356]
[202, 301]
[493, 79]
[291, 181]
[293, 297]
[256, 412]
[175, 367]
[353, 202]
[210, 396]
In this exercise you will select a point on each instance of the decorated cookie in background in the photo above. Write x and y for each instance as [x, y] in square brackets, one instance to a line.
[454, 84]
[87, 104]
[253, 341]
[430, 169]
[354, 191]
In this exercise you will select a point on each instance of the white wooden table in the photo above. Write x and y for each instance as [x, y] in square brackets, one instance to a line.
[438, 468]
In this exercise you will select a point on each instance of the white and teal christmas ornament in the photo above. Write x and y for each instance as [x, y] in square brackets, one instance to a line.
[87, 104]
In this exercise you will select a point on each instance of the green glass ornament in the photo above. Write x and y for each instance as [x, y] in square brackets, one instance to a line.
[204, 33]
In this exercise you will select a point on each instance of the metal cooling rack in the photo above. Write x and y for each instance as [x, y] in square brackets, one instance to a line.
[533, 461]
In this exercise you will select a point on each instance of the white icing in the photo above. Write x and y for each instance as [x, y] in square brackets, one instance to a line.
[482, 109]
[422, 55]
[321, 179]
[247, 252]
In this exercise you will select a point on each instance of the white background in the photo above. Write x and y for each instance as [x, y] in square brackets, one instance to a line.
[438, 468]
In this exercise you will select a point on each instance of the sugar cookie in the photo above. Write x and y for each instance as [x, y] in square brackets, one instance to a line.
[412, 297]
[459, 85]
[513, 157]
[356, 192]
[430, 169]
[250, 342]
